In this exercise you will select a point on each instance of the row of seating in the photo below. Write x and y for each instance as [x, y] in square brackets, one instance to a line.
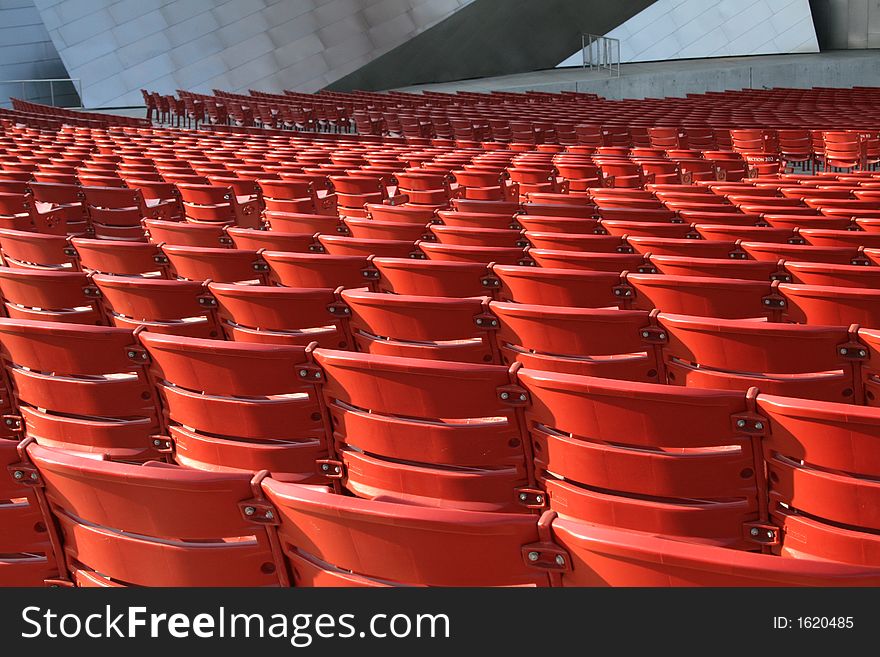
[479, 114]
[756, 489]
[366, 436]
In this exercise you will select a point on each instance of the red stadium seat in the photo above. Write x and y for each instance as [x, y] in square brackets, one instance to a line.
[814, 362]
[82, 388]
[161, 306]
[330, 540]
[120, 258]
[727, 298]
[50, 296]
[29, 250]
[118, 532]
[239, 407]
[821, 463]
[187, 234]
[436, 328]
[612, 343]
[400, 436]
[616, 453]
[281, 315]
[307, 270]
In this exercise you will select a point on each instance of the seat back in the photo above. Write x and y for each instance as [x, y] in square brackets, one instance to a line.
[28, 250]
[399, 433]
[50, 295]
[117, 529]
[162, 306]
[814, 362]
[282, 315]
[617, 453]
[822, 467]
[332, 540]
[82, 388]
[612, 343]
[414, 326]
[236, 406]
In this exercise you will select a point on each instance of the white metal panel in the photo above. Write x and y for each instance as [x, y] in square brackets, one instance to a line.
[234, 45]
[684, 29]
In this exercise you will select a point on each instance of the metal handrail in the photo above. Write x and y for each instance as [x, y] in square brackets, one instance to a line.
[601, 53]
[77, 85]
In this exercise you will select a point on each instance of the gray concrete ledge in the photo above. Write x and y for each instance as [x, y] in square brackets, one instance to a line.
[837, 68]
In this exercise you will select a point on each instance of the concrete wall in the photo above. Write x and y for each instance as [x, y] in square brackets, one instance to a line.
[847, 24]
[26, 53]
[118, 47]
[687, 29]
[678, 78]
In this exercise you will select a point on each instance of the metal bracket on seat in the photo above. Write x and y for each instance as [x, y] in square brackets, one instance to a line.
[749, 423]
[486, 321]
[531, 498]
[136, 354]
[25, 474]
[852, 351]
[762, 533]
[310, 373]
[513, 395]
[162, 444]
[92, 291]
[331, 468]
[258, 511]
[773, 301]
[490, 281]
[623, 290]
[653, 335]
[338, 308]
[546, 556]
[12, 422]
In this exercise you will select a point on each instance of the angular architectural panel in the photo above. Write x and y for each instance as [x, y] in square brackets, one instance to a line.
[119, 47]
[493, 37]
[847, 24]
[27, 53]
[690, 29]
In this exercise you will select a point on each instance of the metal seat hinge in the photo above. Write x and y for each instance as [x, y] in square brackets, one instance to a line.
[162, 444]
[623, 290]
[762, 533]
[136, 354]
[486, 321]
[546, 556]
[310, 373]
[12, 422]
[25, 474]
[531, 498]
[653, 335]
[259, 512]
[750, 423]
[331, 468]
[513, 395]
